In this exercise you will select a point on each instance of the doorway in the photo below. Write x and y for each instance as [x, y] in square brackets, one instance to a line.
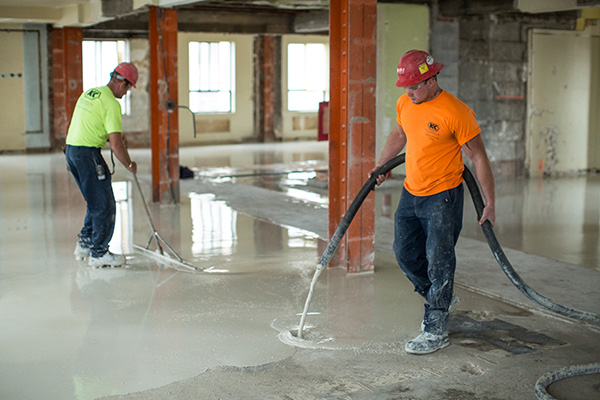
[563, 98]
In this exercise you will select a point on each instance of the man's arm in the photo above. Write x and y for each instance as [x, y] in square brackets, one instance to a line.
[120, 151]
[475, 149]
[393, 146]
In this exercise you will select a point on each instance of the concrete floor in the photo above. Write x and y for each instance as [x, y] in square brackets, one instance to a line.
[257, 217]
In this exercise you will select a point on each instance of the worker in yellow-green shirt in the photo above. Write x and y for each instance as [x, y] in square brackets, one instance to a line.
[96, 120]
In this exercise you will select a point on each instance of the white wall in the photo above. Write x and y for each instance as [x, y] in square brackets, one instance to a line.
[594, 124]
[400, 28]
[218, 127]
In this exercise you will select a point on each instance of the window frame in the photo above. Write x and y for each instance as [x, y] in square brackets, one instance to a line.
[325, 88]
[102, 70]
[223, 84]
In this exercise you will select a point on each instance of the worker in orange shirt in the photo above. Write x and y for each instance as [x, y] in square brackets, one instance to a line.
[435, 127]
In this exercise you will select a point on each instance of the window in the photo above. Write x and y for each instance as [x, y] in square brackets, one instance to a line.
[212, 77]
[100, 57]
[308, 76]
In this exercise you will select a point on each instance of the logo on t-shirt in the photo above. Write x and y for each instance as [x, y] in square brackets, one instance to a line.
[432, 126]
[93, 94]
[433, 131]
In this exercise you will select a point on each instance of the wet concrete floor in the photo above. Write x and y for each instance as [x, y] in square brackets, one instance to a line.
[254, 218]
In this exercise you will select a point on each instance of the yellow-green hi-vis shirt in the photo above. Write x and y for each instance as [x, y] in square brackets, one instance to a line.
[97, 114]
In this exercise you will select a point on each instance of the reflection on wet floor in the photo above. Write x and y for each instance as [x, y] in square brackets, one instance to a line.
[121, 242]
[551, 218]
[554, 218]
[218, 230]
[558, 218]
[309, 183]
[213, 226]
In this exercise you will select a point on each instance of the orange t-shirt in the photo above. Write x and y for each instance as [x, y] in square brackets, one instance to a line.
[435, 131]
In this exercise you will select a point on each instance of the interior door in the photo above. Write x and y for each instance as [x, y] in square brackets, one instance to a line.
[560, 95]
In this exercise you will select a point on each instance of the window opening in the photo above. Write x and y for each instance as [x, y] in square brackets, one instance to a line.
[212, 77]
[100, 57]
[308, 76]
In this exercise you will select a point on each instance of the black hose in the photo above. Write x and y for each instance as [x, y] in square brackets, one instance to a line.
[354, 206]
[546, 379]
[508, 268]
[487, 230]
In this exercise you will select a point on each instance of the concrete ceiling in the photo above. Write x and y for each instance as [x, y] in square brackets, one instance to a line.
[38, 3]
[86, 13]
[243, 16]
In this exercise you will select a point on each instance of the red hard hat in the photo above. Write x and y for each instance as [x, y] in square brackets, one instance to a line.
[128, 71]
[416, 66]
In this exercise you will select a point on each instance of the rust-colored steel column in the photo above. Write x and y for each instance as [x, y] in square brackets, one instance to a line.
[163, 89]
[352, 30]
[338, 10]
[67, 79]
[268, 67]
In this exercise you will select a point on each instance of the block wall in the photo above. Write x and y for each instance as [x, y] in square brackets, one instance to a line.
[492, 79]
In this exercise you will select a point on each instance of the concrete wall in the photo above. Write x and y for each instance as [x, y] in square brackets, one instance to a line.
[137, 124]
[492, 78]
[12, 101]
[445, 44]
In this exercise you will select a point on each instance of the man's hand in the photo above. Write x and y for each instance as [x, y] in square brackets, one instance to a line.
[393, 146]
[489, 214]
[132, 167]
[117, 145]
[381, 177]
[475, 150]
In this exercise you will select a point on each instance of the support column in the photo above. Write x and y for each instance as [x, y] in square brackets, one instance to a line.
[268, 87]
[163, 91]
[352, 30]
[67, 79]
